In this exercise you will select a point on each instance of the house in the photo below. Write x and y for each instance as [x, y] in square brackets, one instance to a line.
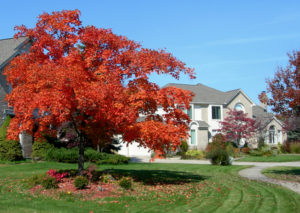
[210, 106]
[10, 48]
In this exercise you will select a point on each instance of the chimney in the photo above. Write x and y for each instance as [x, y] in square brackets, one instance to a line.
[263, 105]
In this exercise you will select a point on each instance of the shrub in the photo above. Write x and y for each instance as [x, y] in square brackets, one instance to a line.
[40, 149]
[62, 155]
[81, 182]
[49, 182]
[219, 156]
[261, 142]
[125, 183]
[193, 154]
[9, 150]
[219, 151]
[280, 148]
[58, 176]
[91, 173]
[246, 150]
[35, 180]
[107, 178]
[295, 147]
[184, 146]
[230, 149]
[264, 151]
[286, 147]
[91, 155]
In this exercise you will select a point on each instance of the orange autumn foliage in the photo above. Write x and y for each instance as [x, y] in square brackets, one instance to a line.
[97, 81]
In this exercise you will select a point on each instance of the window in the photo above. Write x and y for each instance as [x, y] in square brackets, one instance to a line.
[189, 112]
[214, 132]
[239, 107]
[279, 136]
[216, 112]
[272, 134]
[193, 136]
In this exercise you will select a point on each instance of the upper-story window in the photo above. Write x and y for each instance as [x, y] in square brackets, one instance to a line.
[189, 111]
[216, 112]
[239, 107]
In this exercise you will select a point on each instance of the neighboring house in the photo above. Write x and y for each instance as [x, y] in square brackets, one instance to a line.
[271, 129]
[210, 106]
[10, 48]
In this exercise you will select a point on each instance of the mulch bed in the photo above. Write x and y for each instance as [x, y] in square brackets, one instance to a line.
[91, 192]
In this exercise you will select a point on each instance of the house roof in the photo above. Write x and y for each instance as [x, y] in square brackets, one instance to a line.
[262, 116]
[9, 48]
[207, 95]
[202, 124]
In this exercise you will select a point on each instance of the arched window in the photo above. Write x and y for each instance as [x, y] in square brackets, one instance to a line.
[272, 134]
[239, 107]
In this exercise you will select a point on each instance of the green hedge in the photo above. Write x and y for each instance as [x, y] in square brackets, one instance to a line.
[90, 155]
[40, 149]
[9, 150]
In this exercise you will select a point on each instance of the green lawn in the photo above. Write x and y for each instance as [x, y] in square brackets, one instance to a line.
[278, 158]
[283, 173]
[174, 188]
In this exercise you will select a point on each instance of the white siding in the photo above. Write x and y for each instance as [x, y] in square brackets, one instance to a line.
[197, 110]
[133, 149]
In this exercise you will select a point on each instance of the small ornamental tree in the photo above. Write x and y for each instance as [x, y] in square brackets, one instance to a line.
[96, 81]
[238, 125]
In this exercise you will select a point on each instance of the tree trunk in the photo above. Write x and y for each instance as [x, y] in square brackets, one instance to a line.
[81, 156]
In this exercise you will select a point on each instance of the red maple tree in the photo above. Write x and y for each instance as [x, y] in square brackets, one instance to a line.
[284, 89]
[96, 81]
[238, 125]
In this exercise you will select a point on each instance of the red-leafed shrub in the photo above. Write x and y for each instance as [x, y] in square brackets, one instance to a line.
[58, 176]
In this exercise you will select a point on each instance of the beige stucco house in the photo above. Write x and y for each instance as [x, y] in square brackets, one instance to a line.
[210, 106]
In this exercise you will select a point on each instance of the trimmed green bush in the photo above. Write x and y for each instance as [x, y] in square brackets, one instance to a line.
[49, 182]
[219, 156]
[81, 182]
[35, 180]
[184, 146]
[90, 155]
[107, 178]
[264, 151]
[193, 154]
[295, 148]
[219, 151]
[125, 183]
[9, 150]
[40, 149]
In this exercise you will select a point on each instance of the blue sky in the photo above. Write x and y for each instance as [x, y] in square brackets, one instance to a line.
[231, 44]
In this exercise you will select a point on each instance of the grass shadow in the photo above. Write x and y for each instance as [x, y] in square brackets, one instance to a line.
[153, 177]
[285, 172]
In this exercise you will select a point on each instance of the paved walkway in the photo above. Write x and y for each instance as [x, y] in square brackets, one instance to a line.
[253, 173]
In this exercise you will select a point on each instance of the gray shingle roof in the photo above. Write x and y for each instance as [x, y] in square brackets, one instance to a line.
[262, 116]
[207, 95]
[9, 48]
[203, 124]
